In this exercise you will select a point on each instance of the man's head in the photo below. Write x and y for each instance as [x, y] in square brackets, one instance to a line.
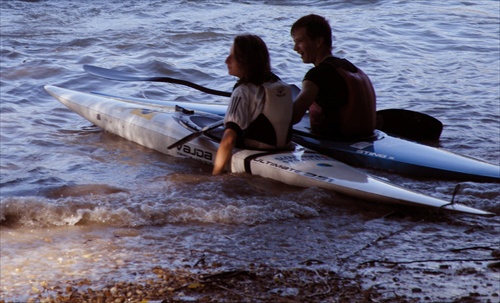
[316, 27]
[312, 37]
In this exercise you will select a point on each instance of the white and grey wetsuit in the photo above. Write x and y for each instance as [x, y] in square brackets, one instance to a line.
[261, 115]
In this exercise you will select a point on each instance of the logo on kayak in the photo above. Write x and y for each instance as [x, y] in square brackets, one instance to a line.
[196, 153]
[300, 158]
[372, 154]
[144, 113]
[324, 165]
[297, 171]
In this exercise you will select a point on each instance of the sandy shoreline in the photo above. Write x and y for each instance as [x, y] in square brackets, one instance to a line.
[257, 285]
[262, 283]
[357, 260]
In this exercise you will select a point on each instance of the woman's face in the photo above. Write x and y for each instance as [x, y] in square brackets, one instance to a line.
[233, 68]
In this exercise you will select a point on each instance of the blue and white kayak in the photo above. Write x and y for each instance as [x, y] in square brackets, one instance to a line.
[302, 167]
[382, 151]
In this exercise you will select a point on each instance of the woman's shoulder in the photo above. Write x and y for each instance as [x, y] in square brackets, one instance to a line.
[247, 90]
[245, 87]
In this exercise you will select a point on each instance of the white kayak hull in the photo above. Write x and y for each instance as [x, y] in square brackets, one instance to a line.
[158, 129]
[379, 152]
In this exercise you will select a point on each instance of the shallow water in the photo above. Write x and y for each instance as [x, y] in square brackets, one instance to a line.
[80, 203]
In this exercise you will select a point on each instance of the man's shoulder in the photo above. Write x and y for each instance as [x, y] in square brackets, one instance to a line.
[336, 62]
[322, 70]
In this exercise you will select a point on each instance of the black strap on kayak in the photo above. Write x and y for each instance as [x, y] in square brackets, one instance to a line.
[250, 158]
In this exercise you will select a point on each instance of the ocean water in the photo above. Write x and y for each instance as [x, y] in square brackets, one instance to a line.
[79, 203]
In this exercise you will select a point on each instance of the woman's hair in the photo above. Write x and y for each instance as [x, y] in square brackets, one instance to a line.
[316, 27]
[251, 54]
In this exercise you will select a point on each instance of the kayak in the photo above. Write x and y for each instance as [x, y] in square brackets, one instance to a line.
[160, 128]
[381, 151]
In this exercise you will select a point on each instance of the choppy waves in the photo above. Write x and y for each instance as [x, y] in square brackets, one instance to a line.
[179, 199]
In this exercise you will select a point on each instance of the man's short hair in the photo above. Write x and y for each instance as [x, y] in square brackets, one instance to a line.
[316, 27]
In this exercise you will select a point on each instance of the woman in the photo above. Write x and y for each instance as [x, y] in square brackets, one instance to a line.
[260, 112]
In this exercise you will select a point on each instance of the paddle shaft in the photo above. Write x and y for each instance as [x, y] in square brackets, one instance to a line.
[399, 122]
[196, 134]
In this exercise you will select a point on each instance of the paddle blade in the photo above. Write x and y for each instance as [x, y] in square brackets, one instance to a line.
[113, 74]
[409, 124]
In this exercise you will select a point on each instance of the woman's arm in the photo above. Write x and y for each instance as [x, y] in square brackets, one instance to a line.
[225, 151]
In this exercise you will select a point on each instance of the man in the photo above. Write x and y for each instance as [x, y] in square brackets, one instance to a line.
[339, 96]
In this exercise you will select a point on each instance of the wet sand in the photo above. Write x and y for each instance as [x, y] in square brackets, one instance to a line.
[255, 284]
[208, 276]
